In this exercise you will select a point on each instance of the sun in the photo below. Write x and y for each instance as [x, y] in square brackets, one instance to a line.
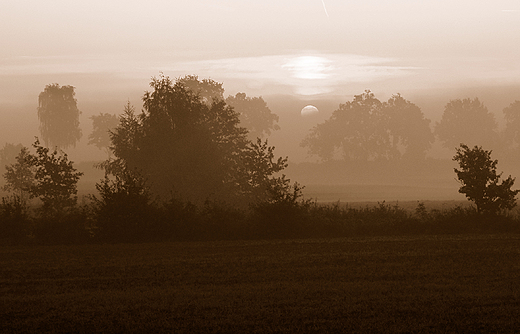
[309, 67]
[309, 110]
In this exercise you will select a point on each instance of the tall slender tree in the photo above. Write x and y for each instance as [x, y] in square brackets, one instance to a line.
[59, 116]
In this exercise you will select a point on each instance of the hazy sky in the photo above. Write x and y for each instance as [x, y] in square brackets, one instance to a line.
[303, 47]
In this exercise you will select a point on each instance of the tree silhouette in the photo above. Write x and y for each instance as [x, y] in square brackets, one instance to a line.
[19, 176]
[259, 169]
[59, 116]
[409, 129]
[101, 126]
[353, 129]
[366, 129]
[185, 147]
[512, 130]
[123, 206]
[208, 90]
[55, 180]
[254, 115]
[466, 121]
[479, 180]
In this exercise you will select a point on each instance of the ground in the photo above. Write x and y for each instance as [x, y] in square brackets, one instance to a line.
[382, 284]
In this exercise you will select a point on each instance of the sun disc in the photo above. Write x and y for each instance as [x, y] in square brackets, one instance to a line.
[309, 110]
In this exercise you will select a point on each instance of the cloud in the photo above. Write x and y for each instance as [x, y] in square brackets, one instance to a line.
[307, 73]
[304, 74]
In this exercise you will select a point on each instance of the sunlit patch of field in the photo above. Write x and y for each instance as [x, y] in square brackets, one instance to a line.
[382, 284]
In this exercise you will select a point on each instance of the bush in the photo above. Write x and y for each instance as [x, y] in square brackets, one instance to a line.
[71, 227]
[124, 211]
[14, 219]
[284, 214]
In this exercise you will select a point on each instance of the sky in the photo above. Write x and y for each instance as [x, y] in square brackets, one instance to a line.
[307, 47]
[310, 49]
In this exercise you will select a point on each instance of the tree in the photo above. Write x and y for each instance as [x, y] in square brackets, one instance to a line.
[512, 130]
[207, 90]
[409, 129]
[181, 144]
[123, 206]
[254, 115]
[258, 169]
[352, 129]
[102, 124]
[184, 147]
[59, 116]
[55, 180]
[19, 176]
[466, 121]
[366, 129]
[480, 181]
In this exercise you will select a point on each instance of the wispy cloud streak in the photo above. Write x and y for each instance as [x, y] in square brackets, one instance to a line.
[325, 8]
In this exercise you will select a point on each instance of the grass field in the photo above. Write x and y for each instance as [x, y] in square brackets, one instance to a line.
[386, 284]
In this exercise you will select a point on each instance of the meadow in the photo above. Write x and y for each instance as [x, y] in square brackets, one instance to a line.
[385, 284]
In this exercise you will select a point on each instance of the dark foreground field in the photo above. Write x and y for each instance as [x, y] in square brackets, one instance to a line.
[388, 284]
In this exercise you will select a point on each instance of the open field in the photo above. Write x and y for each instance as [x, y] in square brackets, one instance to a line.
[384, 284]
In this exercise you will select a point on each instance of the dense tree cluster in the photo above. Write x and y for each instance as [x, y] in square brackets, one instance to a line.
[368, 129]
[191, 146]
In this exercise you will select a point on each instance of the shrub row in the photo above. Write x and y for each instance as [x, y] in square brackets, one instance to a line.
[179, 221]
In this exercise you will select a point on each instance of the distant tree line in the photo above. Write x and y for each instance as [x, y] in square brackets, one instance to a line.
[366, 129]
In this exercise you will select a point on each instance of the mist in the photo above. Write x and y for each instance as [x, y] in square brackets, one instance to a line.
[320, 53]
[324, 181]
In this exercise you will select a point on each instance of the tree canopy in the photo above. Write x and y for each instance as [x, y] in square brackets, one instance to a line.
[467, 121]
[366, 129]
[55, 180]
[19, 176]
[480, 181]
[512, 130]
[208, 90]
[101, 126]
[184, 146]
[254, 115]
[59, 116]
